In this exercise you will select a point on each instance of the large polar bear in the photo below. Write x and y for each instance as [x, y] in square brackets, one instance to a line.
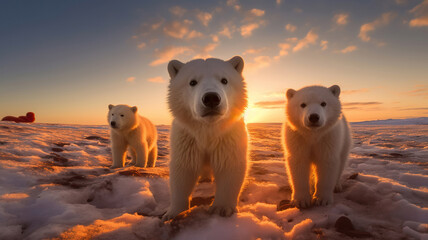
[207, 99]
[132, 131]
[316, 134]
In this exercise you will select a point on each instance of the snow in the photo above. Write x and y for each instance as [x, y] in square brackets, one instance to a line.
[55, 183]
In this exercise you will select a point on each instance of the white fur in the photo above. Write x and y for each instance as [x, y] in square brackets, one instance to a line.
[324, 147]
[134, 132]
[216, 141]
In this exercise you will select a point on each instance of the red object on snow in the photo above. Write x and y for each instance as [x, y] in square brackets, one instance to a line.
[29, 117]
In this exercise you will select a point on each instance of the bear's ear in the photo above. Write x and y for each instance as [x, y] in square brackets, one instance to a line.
[335, 90]
[110, 106]
[237, 63]
[134, 109]
[173, 67]
[290, 93]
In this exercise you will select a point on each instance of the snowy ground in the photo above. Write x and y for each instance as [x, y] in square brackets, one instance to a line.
[55, 183]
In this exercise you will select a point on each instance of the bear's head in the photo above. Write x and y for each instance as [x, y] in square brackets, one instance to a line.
[122, 117]
[313, 108]
[207, 91]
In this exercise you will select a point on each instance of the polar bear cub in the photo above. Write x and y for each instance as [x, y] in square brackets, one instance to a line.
[316, 135]
[207, 99]
[132, 131]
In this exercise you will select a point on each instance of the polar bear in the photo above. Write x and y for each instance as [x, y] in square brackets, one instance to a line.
[132, 131]
[207, 99]
[316, 139]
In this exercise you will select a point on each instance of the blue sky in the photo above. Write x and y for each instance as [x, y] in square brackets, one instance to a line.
[67, 60]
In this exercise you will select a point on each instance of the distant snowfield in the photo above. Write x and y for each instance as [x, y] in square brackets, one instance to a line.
[55, 182]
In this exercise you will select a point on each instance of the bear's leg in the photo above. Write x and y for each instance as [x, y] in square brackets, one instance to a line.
[118, 148]
[299, 168]
[182, 180]
[133, 155]
[327, 170]
[153, 155]
[142, 154]
[229, 175]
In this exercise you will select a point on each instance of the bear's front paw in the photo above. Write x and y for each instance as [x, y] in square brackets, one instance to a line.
[323, 201]
[302, 201]
[223, 211]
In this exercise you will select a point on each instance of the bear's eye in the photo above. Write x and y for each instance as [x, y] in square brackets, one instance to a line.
[112, 114]
[323, 104]
[303, 105]
[193, 83]
[224, 81]
[121, 115]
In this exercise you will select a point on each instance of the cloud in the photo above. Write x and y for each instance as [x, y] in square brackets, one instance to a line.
[290, 27]
[194, 34]
[257, 12]
[168, 53]
[247, 30]
[177, 29]
[310, 38]
[157, 79]
[270, 104]
[284, 48]
[253, 51]
[204, 52]
[349, 49]
[130, 79]
[141, 45]
[354, 91]
[421, 15]
[227, 31]
[418, 91]
[259, 62]
[366, 28]
[204, 17]
[177, 11]
[341, 19]
[356, 104]
[234, 4]
[278, 2]
[323, 45]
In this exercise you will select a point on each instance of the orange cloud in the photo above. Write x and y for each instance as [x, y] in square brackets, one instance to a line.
[141, 45]
[177, 29]
[194, 34]
[205, 51]
[270, 104]
[227, 31]
[421, 14]
[234, 4]
[310, 38]
[290, 27]
[418, 91]
[349, 92]
[257, 12]
[166, 54]
[247, 30]
[284, 48]
[130, 79]
[341, 19]
[323, 45]
[366, 28]
[253, 51]
[157, 79]
[259, 62]
[349, 49]
[204, 17]
[177, 11]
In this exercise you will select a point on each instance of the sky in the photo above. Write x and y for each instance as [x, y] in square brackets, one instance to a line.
[67, 60]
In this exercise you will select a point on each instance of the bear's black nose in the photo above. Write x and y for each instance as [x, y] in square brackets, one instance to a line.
[113, 124]
[314, 118]
[211, 99]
